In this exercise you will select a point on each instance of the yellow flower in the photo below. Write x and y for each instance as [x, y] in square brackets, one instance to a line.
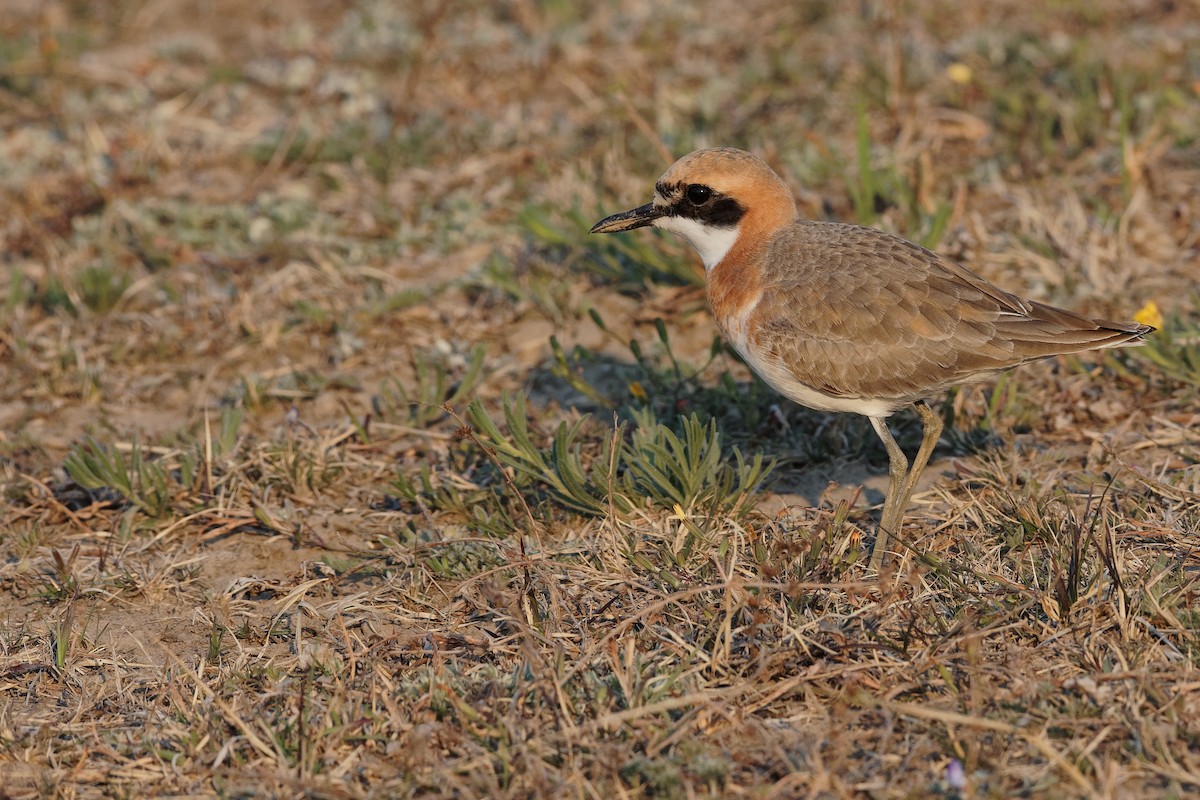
[637, 390]
[960, 73]
[1149, 315]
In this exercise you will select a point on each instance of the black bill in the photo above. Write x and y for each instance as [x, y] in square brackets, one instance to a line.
[639, 217]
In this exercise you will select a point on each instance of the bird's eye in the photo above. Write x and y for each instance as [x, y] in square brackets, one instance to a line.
[698, 194]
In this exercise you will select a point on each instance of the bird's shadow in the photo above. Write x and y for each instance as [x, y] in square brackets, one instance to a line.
[812, 450]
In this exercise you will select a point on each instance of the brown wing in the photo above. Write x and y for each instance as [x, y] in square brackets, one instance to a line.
[855, 312]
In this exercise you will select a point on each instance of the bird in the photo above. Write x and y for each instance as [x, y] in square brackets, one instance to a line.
[844, 318]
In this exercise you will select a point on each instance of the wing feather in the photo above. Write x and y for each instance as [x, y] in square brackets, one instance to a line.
[855, 312]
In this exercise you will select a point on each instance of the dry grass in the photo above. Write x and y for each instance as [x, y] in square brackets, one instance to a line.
[250, 250]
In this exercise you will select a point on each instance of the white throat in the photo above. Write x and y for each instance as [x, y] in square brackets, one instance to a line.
[710, 241]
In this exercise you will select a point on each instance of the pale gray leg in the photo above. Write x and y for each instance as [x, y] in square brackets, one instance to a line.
[933, 432]
[898, 469]
[903, 479]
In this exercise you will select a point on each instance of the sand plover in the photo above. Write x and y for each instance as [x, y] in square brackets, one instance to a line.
[845, 318]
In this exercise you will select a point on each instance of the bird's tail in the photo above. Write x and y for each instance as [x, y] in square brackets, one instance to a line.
[1048, 331]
